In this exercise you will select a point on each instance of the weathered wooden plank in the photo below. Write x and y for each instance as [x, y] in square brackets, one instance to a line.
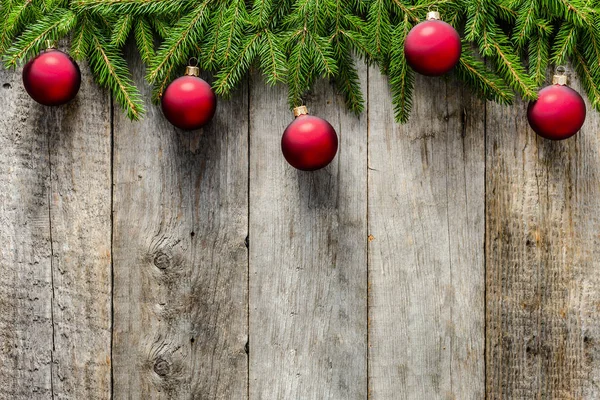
[308, 282]
[26, 278]
[80, 222]
[542, 246]
[55, 288]
[219, 277]
[180, 266]
[426, 261]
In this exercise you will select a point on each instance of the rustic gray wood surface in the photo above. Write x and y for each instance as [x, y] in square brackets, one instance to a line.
[455, 256]
[308, 277]
[181, 264]
[426, 261]
[542, 250]
[55, 285]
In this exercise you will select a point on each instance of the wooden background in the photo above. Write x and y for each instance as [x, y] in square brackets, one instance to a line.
[454, 257]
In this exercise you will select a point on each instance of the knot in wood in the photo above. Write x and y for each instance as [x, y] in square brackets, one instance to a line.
[162, 367]
[162, 260]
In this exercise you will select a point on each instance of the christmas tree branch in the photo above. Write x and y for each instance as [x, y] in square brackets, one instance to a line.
[230, 76]
[52, 27]
[487, 84]
[297, 42]
[401, 76]
[136, 7]
[80, 40]
[588, 80]
[110, 71]
[538, 59]
[177, 47]
[272, 58]
[144, 40]
[121, 29]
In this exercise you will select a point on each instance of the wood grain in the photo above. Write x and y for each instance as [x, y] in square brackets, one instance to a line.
[219, 278]
[55, 290]
[25, 251]
[80, 219]
[180, 269]
[308, 289]
[364, 280]
[426, 226]
[542, 250]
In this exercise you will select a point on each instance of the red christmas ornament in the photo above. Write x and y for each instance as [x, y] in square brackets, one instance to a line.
[189, 102]
[308, 143]
[52, 78]
[559, 111]
[432, 47]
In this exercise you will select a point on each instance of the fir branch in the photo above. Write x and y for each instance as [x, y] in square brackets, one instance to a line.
[144, 39]
[233, 29]
[299, 41]
[475, 73]
[135, 7]
[591, 45]
[539, 49]
[525, 22]
[80, 40]
[591, 83]
[574, 11]
[347, 80]
[121, 29]
[272, 58]
[379, 31]
[261, 12]
[324, 61]
[401, 75]
[347, 31]
[52, 27]
[299, 71]
[49, 5]
[564, 43]
[110, 70]
[176, 48]
[211, 41]
[509, 67]
[408, 11]
[505, 13]
[230, 76]
[161, 26]
[14, 21]
[477, 14]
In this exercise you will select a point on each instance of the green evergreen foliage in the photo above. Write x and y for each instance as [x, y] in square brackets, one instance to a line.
[508, 45]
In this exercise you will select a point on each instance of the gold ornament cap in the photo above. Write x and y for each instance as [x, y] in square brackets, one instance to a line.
[301, 110]
[559, 80]
[560, 77]
[192, 69]
[433, 15]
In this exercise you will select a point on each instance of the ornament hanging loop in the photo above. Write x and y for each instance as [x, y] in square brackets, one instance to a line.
[560, 76]
[192, 68]
[50, 44]
[433, 13]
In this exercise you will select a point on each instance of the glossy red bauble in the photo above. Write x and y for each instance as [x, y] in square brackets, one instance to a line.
[558, 113]
[432, 47]
[52, 78]
[189, 102]
[309, 143]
